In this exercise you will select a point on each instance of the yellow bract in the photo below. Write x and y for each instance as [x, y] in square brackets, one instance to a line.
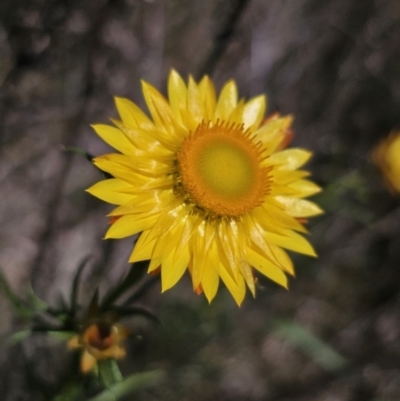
[207, 185]
[387, 157]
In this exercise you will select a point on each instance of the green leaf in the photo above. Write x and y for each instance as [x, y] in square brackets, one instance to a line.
[349, 196]
[93, 308]
[134, 275]
[311, 345]
[141, 290]
[35, 301]
[357, 183]
[75, 285]
[137, 381]
[80, 152]
[19, 336]
[69, 393]
[109, 372]
[358, 213]
[124, 311]
[21, 307]
[61, 335]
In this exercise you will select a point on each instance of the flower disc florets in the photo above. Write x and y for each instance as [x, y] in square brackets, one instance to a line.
[220, 169]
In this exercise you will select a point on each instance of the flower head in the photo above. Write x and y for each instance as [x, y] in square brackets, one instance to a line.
[206, 182]
[99, 340]
[387, 157]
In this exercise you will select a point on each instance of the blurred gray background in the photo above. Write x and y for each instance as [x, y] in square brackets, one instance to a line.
[334, 64]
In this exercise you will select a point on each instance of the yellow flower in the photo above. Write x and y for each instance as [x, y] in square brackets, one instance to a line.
[99, 340]
[207, 184]
[387, 157]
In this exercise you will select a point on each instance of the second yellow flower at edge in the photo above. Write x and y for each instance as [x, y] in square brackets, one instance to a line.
[387, 157]
[207, 183]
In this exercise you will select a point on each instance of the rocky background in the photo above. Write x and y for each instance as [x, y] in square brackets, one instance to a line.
[334, 64]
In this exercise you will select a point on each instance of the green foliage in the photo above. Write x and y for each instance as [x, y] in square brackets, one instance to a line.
[135, 273]
[70, 393]
[311, 345]
[22, 308]
[75, 285]
[135, 382]
[67, 318]
[348, 195]
[109, 372]
[19, 336]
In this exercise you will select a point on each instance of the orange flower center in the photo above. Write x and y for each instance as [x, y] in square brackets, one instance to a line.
[100, 336]
[220, 169]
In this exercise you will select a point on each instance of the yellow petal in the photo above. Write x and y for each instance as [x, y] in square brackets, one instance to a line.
[237, 113]
[237, 289]
[173, 215]
[115, 351]
[274, 254]
[110, 191]
[282, 189]
[248, 276]
[159, 109]
[285, 177]
[299, 207]
[171, 235]
[119, 352]
[210, 283]
[228, 249]
[115, 163]
[148, 202]
[177, 94]
[172, 271]
[155, 263]
[227, 101]
[183, 234]
[115, 138]
[290, 159]
[257, 223]
[254, 111]
[194, 104]
[149, 142]
[144, 185]
[88, 362]
[267, 268]
[256, 234]
[131, 115]
[129, 225]
[283, 259]
[198, 265]
[208, 97]
[292, 241]
[275, 219]
[304, 188]
[74, 342]
[210, 278]
[143, 249]
[273, 133]
[203, 250]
